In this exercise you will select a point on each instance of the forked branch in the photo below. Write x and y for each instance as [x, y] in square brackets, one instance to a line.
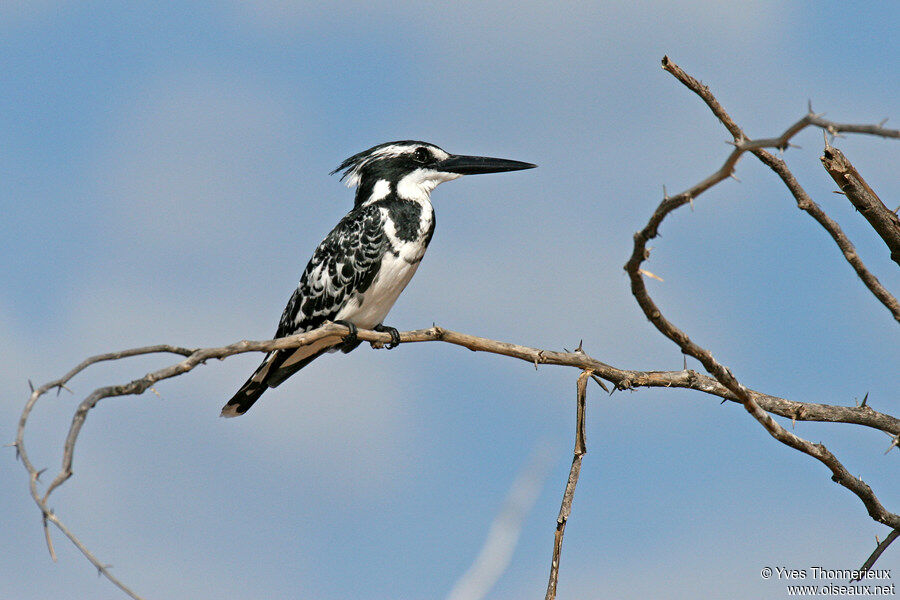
[720, 372]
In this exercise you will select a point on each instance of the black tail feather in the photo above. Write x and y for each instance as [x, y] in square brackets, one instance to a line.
[254, 387]
[244, 399]
[270, 373]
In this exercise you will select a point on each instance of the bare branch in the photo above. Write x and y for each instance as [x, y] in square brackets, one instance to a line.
[721, 373]
[879, 549]
[804, 202]
[835, 128]
[864, 199]
[622, 379]
[565, 508]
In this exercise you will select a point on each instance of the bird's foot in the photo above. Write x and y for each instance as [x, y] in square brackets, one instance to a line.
[351, 340]
[395, 335]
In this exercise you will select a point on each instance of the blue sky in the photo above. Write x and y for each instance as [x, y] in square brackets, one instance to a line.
[164, 177]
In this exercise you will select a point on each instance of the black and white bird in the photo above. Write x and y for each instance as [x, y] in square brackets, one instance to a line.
[360, 268]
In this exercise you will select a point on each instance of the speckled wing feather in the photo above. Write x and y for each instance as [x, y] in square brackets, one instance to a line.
[343, 266]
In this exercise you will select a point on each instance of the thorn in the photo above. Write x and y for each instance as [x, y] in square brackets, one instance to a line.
[691, 202]
[579, 348]
[684, 356]
[838, 192]
[665, 193]
[894, 442]
[809, 106]
[793, 145]
[865, 399]
[600, 383]
[31, 385]
[735, 177]
[37, 476]
[16, 446]
[60, 387]
[883, 121]
[896, 210]
[724, 400]
[647, 273]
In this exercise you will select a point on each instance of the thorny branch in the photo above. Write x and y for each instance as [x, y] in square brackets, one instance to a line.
[743, 144]
[885, 222]
[622, 379]
[722, 373]
[722, 384]
[879, 549]
[565, 508]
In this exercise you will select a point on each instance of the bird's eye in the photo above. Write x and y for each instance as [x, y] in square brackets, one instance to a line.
[421, 155]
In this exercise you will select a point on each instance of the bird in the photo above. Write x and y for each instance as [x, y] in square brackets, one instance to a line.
[359, 270]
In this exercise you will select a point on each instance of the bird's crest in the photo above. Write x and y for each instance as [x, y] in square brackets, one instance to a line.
[352, 168]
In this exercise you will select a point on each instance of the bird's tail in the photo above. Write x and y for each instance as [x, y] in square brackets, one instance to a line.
[252, 389]
[275, 368]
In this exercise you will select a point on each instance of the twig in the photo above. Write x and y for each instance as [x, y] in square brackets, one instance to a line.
[565, 508]
[879, 549]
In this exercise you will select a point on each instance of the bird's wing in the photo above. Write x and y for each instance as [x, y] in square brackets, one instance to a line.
[344, 264]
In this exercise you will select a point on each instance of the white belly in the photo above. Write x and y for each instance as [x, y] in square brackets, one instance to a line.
[370, 309]
[397, 267]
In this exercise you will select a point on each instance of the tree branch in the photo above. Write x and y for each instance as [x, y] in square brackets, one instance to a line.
[879, 549]
[721, 373]
[565, 508]
[886, 223]
[623, 379]
[804, 202]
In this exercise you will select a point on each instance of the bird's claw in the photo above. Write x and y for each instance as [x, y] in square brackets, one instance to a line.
[395, 335]
[352, 337]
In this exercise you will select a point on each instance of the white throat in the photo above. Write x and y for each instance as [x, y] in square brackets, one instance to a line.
[418, 185]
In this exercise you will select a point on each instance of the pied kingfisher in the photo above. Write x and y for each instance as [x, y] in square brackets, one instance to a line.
[360, 268]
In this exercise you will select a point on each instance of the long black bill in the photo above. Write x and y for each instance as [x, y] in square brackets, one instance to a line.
[472, 165]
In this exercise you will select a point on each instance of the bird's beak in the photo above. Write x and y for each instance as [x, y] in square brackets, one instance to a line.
[472, 165]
